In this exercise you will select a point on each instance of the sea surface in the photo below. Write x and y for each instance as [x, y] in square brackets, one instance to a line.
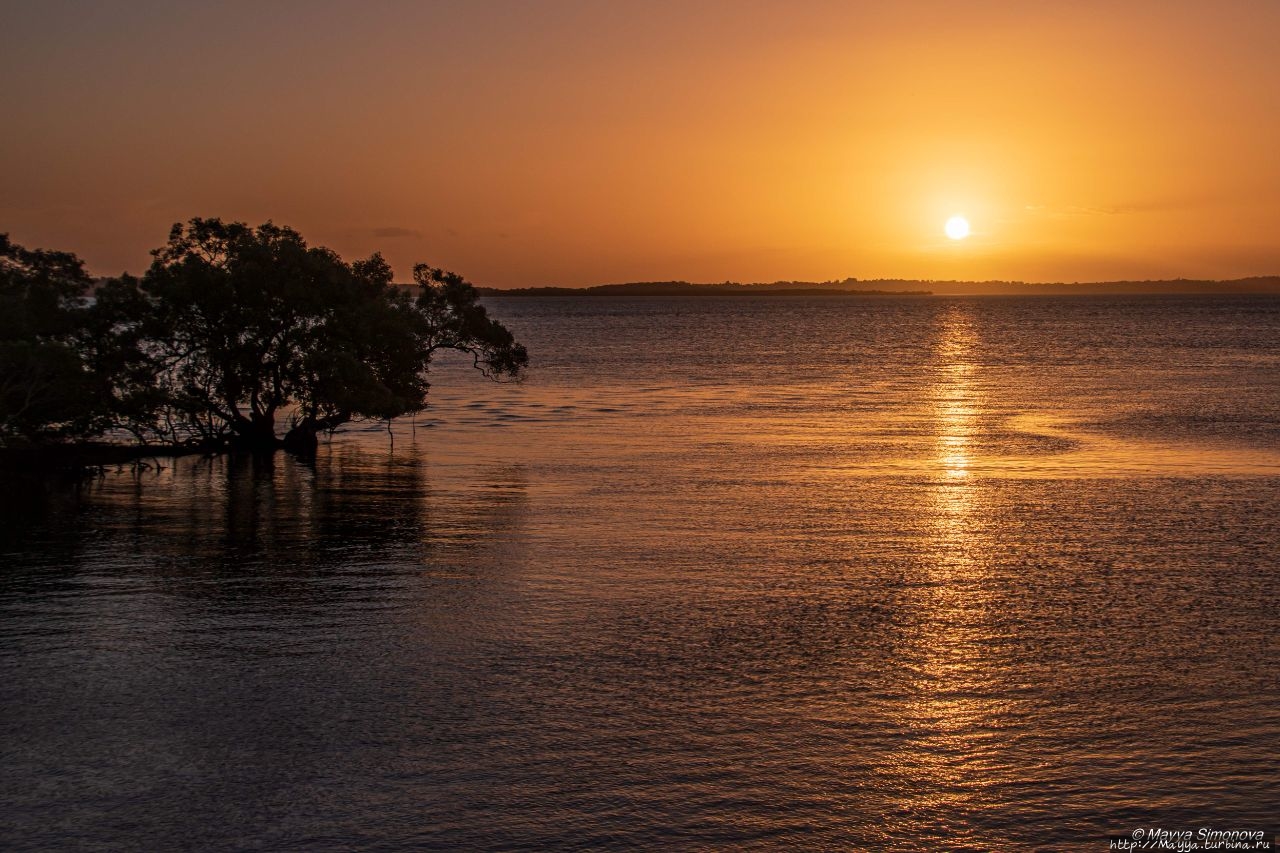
[840, 573]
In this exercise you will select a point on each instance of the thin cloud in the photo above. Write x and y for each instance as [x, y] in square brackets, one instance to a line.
[395, 232]
[1156, 204]
[1064, 211]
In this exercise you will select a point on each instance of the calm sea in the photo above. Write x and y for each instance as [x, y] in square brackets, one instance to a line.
[791, 572]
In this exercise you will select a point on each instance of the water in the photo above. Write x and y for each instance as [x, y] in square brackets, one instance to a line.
[899, 574]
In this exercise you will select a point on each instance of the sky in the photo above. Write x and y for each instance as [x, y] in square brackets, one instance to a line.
[577, 143]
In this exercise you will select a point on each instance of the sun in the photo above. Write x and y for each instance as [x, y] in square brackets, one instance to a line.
[957, 228]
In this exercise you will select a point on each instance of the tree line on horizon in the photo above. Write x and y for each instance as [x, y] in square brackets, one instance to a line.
[236, 337]
[1257, 285]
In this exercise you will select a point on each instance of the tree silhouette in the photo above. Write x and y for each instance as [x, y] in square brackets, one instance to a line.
[48, 390]
[241, 327]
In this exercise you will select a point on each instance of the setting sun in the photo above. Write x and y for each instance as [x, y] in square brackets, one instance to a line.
[957, 228]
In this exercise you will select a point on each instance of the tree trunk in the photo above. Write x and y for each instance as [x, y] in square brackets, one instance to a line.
[302, 439]
[256, 434]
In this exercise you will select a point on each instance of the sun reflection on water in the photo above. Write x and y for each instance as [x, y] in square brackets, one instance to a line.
[954, 396]
[951, 723]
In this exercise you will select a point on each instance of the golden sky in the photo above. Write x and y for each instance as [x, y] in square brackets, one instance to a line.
[574, 143]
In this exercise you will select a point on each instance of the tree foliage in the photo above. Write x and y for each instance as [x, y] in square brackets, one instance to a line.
[235, 331]
[48, 389]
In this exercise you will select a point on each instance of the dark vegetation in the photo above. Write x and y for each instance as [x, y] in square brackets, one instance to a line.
[236, 338]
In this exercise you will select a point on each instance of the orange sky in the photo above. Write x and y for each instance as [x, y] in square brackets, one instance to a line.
[579, 143]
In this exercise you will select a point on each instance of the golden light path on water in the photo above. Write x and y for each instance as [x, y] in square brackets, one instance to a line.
[955, 397]
[949, 719]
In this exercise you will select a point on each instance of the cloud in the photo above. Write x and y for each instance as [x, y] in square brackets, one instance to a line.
[395, 232]
[1152, 204]
[1072, 210]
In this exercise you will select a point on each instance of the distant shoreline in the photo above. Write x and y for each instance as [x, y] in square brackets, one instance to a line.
[619, 291]
[1259, 285]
